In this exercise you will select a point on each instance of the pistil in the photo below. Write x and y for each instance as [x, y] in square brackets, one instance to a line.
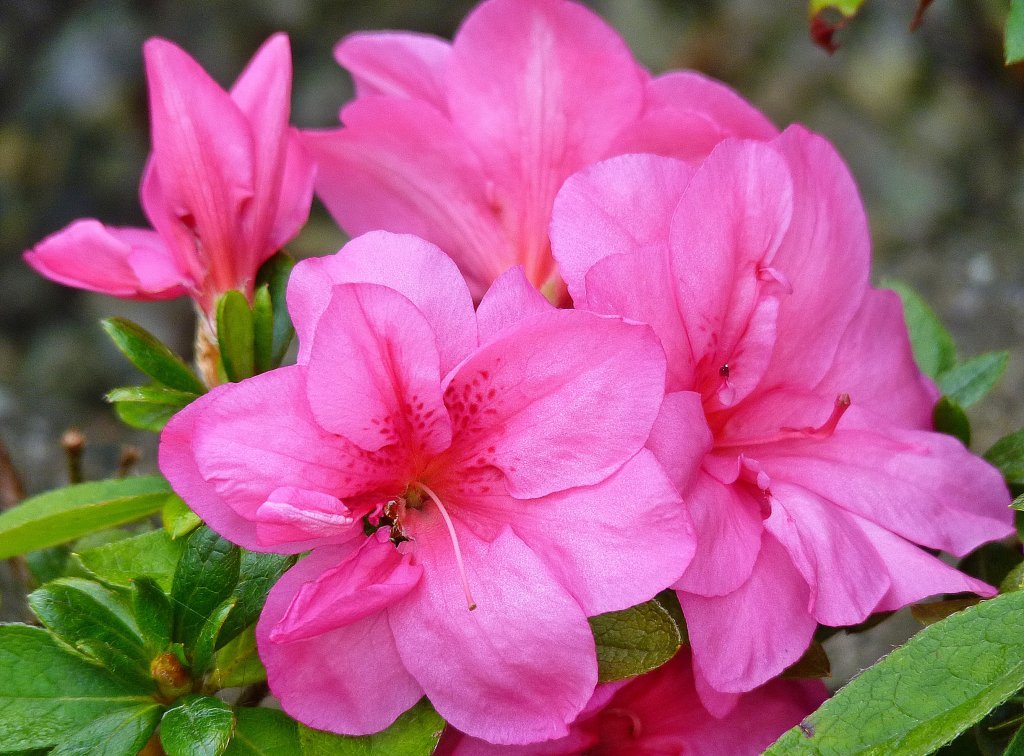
[455, 542]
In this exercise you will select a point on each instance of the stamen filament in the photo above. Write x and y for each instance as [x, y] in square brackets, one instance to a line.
[455, 542]
[823, 431]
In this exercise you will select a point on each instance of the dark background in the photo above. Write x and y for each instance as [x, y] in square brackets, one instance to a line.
[930, 122]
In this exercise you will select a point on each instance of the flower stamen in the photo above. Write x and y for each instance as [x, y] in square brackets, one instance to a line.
[455, 542]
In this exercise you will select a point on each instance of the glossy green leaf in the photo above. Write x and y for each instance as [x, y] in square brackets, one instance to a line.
[235, 335]
[1016, 746]
[1014, 37]
[274, 273]
[119, 733]
[1014, 580]
[126, 668]
[256, 576]
[924, 694]
[238, 663]
[197, 726]
[1018, 503]
[264, 732]
[49, 693]
[152, 357]
[78, 610]
[263, 330]
[933, 345]
[969, 382]
[1008, 455]
[206, 575]
[148, 407]
[153, 613]
[178, 519]
[151, 554]
[950, 418]
[65, 514]
[208, 635]
[634, 640]
[143, 416]
[414, 733]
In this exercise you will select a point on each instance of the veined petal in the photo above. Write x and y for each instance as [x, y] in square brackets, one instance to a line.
[373, 374]
[293, 514]
[397, 64]
[350, 680]
[295, 195]
[680, 437]
[518, 668]
[414, 268]
[510, 299]
[561, 400]
[121, 262]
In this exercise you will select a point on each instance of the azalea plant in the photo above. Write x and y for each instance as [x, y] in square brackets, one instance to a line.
[589, 438]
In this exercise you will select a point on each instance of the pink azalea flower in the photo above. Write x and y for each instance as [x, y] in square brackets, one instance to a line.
[500, 455]
[821, 473]
[466, 144]
[661, 713]
[227, 184]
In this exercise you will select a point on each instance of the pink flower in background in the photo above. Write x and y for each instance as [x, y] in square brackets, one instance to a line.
[500, 456]
[466, 144]
[821, 474]
[226, 186]
[661, 713]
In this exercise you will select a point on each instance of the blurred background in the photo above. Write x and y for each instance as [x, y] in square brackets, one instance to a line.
[930, 122]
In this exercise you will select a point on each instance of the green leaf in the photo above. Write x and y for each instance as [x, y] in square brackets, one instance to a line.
[119, 733]
[969, 382]
[634, 640]
[206, 575]
[846, 7]
[256, 576]
[147, 417]
[77, 610]
[924, 694]
[1014, 580]
[153, 613]
[1007, 454]
[148, 407]
[1016, 746]
[178, 519]
[208, 635]
[49, 693]
[152, 357]
[65, 514]
[151, 554]
[197, 726]
[154, 393]
[263, 329]
[274, 274]
[1015, 33]
[235, 335]
[1018, 503]
[238, 663]
[264, 732]
[415, 732]
[933, 345]
[950, 418]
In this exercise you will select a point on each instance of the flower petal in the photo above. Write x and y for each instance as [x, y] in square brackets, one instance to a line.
[680, 437]
[510, 299]
[296, 514]
[373, 374]
[296, 193]
[517, 669]
[561, 400]
[121, 262]
[415, 268]
[349, 680]
[764, 624]
[397, 64]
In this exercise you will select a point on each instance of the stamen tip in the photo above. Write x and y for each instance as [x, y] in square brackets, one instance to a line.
[472, 606]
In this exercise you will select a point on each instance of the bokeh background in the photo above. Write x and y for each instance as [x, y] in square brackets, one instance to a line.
[930, 122]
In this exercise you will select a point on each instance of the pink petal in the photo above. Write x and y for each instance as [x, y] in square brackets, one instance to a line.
[846, 574]
[826, 288]
[229, 450]
[263, 94]
[680, 437]
[399, 165]
[622, 205]
[764, 624]
[517, 669]
[204, 154]
[728, 524]
[688, 114]
[374, 374]
[295, 514]
[510, 299]
[539, 89]
[349, 680]
[397, 64]
[559, 401]
[295, 195]
[613, 545]
[410, 266]
[368, 581]
[122, 262]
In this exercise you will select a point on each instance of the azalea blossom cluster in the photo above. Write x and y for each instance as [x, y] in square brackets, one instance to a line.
[598, 335]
